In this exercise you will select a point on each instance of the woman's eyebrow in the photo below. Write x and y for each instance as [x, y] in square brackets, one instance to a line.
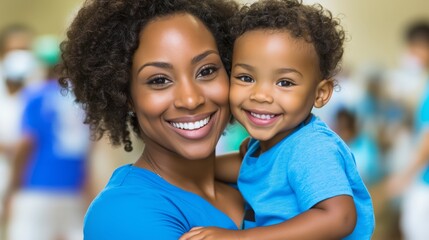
[166, 65]
[203, 55]
[156, 64]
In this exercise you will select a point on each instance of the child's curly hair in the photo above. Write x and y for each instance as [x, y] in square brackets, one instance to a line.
[97, 55]
[313, 23]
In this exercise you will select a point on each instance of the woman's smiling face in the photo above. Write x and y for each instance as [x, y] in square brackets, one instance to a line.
[179, 87]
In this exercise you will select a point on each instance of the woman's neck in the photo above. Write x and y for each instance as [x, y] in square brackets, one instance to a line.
[194, 175]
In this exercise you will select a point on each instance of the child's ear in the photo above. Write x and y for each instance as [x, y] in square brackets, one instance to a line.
[323, 92]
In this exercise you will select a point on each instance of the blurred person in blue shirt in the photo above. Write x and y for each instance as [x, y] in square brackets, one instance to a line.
[363, 146]
[45, 198]
[414, 178]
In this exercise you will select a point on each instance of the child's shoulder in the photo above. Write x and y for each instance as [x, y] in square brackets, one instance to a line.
[315, 127]
[316, 131]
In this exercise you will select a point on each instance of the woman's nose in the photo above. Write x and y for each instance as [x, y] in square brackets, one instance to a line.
[189, 95]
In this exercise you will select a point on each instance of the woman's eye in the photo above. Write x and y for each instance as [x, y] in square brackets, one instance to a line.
[245, 78]
[207, 71]
[159, 81]
[285, 83]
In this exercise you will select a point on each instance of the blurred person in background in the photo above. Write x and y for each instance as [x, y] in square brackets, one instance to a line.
[17, 66]
[363, 146]
[12, 80]
[413, 180]
[13, 37]
[48, 179]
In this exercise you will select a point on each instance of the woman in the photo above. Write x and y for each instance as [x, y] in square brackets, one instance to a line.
[157, 67]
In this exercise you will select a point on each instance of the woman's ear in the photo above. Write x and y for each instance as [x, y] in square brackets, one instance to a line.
[323, 92]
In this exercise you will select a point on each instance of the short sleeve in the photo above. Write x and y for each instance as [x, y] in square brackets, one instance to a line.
[318, 172]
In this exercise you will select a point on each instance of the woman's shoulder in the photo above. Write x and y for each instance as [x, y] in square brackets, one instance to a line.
[132, 204]
[136, 198]
[130, 184]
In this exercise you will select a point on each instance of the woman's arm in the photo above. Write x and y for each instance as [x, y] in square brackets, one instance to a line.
[228, 165]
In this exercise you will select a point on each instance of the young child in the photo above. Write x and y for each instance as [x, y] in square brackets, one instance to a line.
[299, 177]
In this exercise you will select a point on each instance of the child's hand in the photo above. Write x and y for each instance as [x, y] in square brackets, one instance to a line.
[210, 233]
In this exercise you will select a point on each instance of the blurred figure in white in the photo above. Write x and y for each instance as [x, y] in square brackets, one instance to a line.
[17, 65]
[13, 37]
[414, 178]
[45, 199]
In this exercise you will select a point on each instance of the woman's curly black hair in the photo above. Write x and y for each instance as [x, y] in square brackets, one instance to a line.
[97, 55]
[310, 22]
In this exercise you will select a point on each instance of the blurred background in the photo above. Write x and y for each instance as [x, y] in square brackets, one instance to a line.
[373, 109]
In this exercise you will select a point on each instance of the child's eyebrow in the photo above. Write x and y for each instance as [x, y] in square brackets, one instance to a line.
[278, 71]
[288, 70]
[245, 66]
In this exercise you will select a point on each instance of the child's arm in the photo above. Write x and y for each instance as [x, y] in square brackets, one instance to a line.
[333, 218]
[228, 165]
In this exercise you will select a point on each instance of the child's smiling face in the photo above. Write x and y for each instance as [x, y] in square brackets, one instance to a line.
[275, 82]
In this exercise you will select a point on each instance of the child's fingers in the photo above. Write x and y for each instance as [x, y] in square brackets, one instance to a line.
[195, 228]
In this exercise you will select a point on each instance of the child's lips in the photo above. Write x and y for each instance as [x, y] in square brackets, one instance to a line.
[261, 119]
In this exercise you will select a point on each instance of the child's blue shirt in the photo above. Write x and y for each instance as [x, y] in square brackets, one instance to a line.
[310, 165]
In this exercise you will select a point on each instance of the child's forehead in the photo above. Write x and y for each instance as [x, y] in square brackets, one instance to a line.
[277, 39]
[304, 40]
[275, 50]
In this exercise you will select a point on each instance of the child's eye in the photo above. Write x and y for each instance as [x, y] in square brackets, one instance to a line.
[159, 82]
[285, 83]
[245, 78]
[207, 71]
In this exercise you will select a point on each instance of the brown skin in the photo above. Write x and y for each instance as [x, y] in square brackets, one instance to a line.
[228, 165]
[335, 224]
[19, 39]
[177, 78]
[278, 75]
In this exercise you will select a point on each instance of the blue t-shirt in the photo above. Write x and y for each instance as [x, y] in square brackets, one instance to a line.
[55, 123]
[308, 166]
[138, 204]
[422, 125]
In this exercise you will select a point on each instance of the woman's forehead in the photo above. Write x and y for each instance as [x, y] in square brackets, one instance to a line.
[175, 33]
